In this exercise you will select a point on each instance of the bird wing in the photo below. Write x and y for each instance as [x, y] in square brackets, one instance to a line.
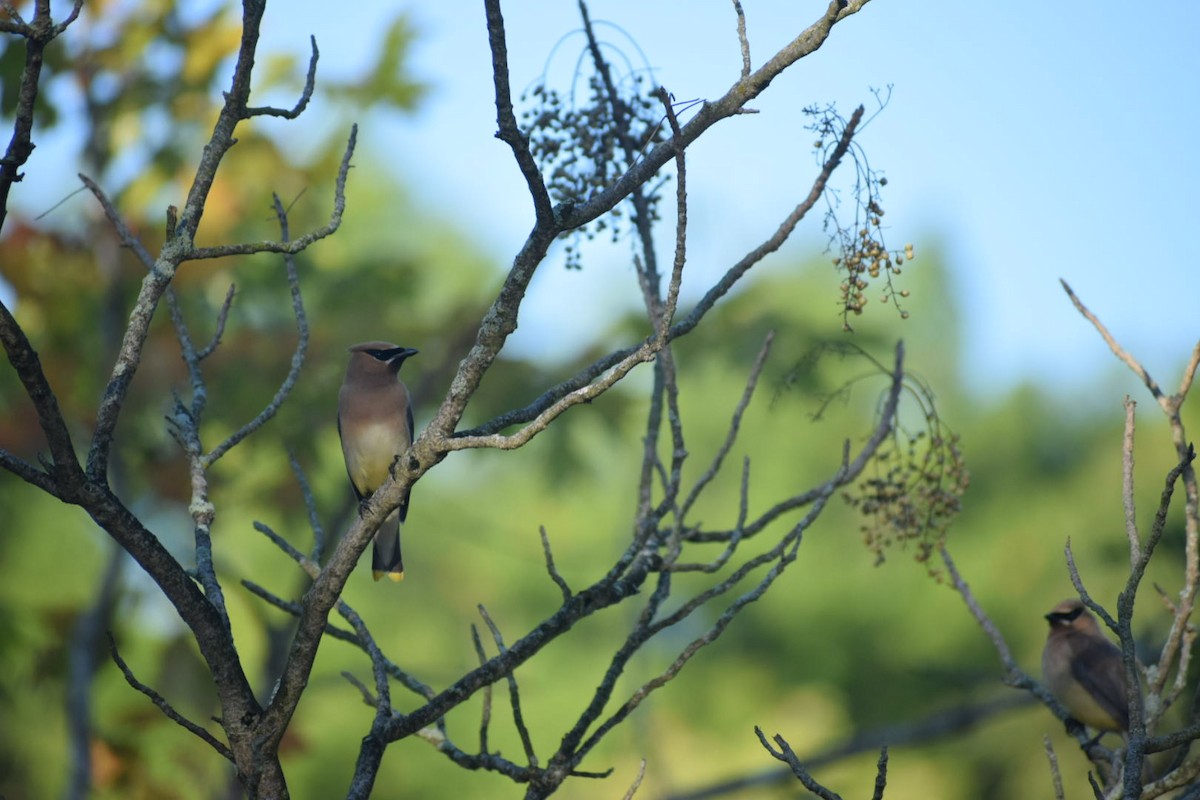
[404, 502]
[357, 494]
[1100, 669]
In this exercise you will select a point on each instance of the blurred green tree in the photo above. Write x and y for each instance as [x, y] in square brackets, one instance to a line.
[820, 657]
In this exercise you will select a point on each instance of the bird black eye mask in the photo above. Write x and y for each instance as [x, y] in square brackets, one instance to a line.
[1064, 617]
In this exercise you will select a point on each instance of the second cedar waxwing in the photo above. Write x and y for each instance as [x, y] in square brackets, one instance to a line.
[1084, 669]
[375, 423]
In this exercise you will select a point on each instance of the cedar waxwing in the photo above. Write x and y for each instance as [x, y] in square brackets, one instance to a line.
[1084, 670]
[375, 423]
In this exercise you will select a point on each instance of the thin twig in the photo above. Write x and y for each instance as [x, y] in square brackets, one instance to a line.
[310, 83]
[952, 721]
[1077, 581]
[734, 426]
[1055, 773]
[637, 782]
[294, 609]
[1131, 531]
[163, 705]
[881, 767]
[734, 539]
[1189, 374]
[127, 237]
[222, 318]
[681, 220]
[514, 694]
[310, 504]
[293, 246]
[743, 41]
[289, 381]
[368, 698]
[586, 394]
[507, 129]
[28, 472]
[313, 569]
[485, 719]
[789, 757]
[1113, 345]
[383, 695]
[550, 568]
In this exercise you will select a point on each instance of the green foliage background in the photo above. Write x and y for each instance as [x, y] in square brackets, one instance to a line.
[840, 645]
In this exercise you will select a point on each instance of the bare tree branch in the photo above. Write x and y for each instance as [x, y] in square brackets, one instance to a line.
[579, 382]
[289, 382]
[500, 319]
[742, 40]
[1014, 676]
[880, 774]
[1055, 774]
[26, 471]
[1171, 407]
[735, 425]
[485, 719]
[550, 568]
[637, 782]
[935, 726]
[293, 246]
[163, 705]
[310, 83]
[219, 331]
[658, 535]
[788, 756]
[514, 694]
[1135, 546]
[507, 130]
[1118, 351]
[37, 35]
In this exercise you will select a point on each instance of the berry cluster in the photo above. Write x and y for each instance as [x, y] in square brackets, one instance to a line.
[583, 148]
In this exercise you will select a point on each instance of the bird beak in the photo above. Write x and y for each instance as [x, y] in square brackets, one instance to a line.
[400, 352]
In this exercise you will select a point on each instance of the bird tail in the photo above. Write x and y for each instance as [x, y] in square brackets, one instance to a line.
[385, 554]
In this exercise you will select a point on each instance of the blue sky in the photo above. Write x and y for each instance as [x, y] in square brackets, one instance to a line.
[1031, 140]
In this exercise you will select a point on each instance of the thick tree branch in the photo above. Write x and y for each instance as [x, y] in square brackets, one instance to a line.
[25, 363]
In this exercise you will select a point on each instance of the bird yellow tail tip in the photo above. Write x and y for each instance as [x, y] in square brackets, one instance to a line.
[395, 577]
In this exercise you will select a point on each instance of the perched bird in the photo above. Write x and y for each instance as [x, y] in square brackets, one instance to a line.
[1084, 670]
[375, 423]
